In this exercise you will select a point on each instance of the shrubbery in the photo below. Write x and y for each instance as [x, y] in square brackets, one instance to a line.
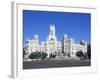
[82, 55]
[79, 54]
[43, 55]
[89, 51]
[38, 55]
[52, 55]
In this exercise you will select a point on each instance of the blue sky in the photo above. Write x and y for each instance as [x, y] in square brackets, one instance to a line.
[75, 25]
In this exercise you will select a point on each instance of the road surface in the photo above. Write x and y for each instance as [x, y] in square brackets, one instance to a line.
[55, 63]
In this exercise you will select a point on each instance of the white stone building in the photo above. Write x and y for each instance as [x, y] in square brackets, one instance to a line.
[67, 47]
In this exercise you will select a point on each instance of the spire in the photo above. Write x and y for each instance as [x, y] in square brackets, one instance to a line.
[27, 39]
[52, 29]
[36, 36]
[65, 36]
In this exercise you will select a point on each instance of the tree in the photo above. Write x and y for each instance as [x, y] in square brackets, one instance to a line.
[32, 55]
[23, 53]
[69, 55]
[52, 55]
[79, 54]
[44, 55]
[89, 51]
[37, 55]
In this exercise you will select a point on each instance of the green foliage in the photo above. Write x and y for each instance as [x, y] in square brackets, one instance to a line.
[44, 55]
[69, 55]
[52, 55]
[79, 54]
[32, 55]
[37, 55]
[23, 53]
[89, 51]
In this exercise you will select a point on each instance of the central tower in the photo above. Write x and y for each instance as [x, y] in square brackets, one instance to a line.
[52, 35]
[51, 41]
[52, 30]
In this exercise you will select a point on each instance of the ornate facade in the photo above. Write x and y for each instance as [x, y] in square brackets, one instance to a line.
[67, 47]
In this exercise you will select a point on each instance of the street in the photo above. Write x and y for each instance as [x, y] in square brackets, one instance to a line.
[55, 63]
